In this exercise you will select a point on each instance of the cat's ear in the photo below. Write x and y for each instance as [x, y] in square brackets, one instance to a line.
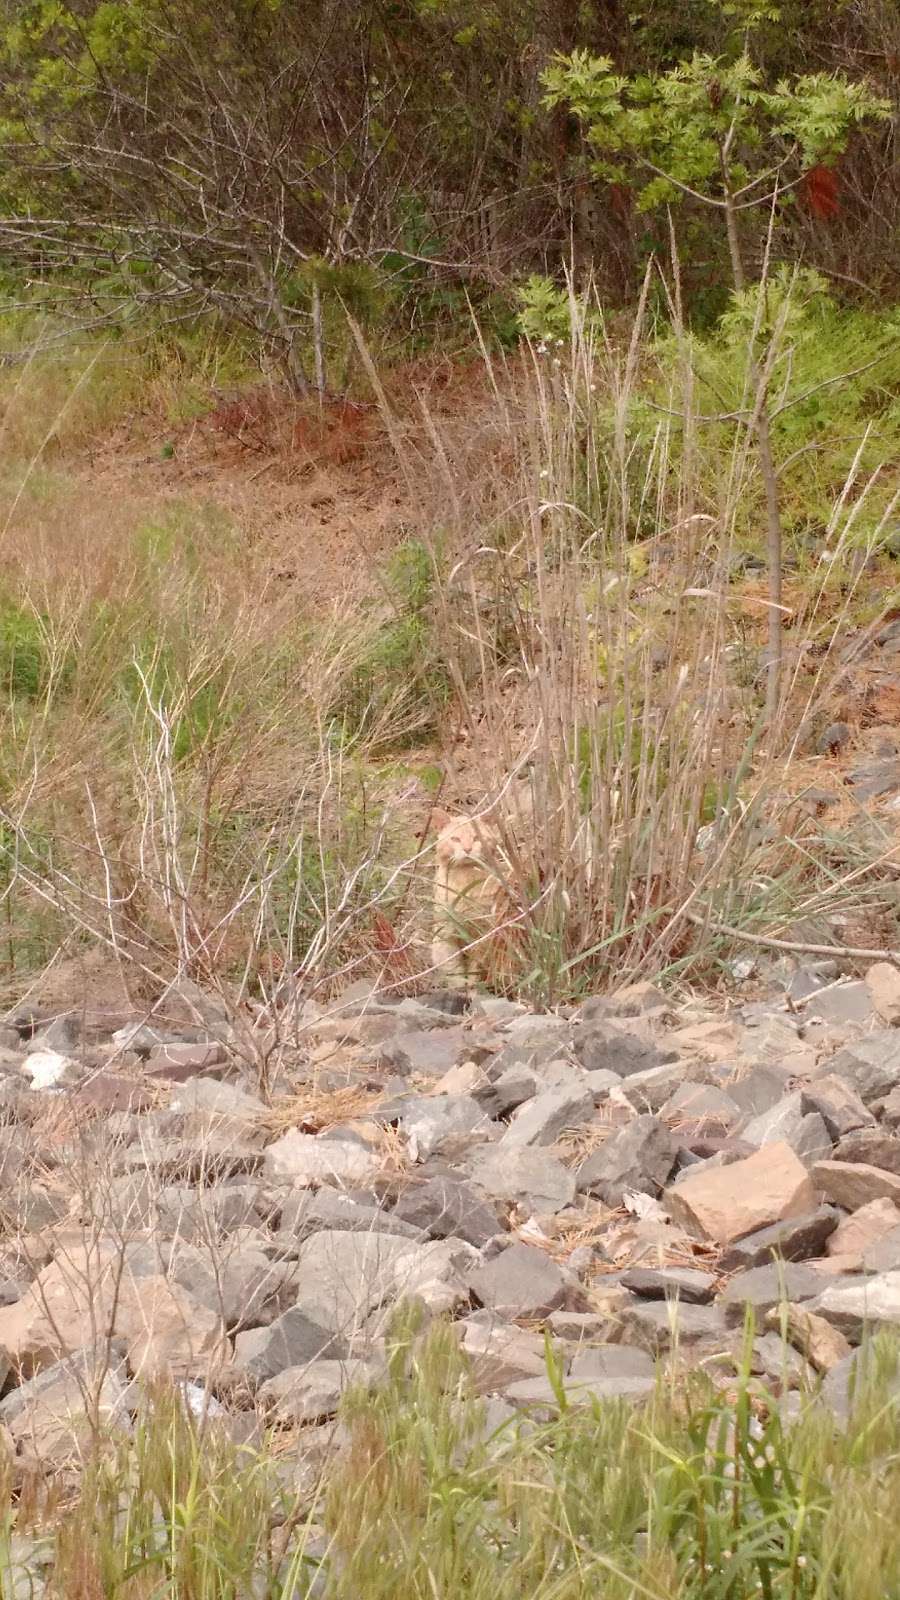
[438, 820]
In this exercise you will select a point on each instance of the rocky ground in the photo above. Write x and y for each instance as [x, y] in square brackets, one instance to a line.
[630, 1176]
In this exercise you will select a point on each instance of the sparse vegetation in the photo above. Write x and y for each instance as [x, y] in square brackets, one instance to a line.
[704, 1492]
[403, 409]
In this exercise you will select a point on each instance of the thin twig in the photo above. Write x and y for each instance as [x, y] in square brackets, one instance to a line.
[796, 946]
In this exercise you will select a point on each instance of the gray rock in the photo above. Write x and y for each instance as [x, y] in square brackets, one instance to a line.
[649, 1091]
[519, 1282]
[205, 1102]
[62, 1033]
[796, 1239]
[12, 1157]
[837, 1103]
[889, 1109]
[499, 1352]
[429, 1051]
[242, 1288]
[185, 1060]
[781, 1122]
[602, 1083]
[842, 1002]
[308, 1159]
[533, 1179]
[311, 1393]
[601, 1045]
[195, 1213]
[861, 1304]
[579, 1327]
[538, 1394]
[835, 736]
[639, 1157]
[758, 1092]
[309, 1212]
[870, 1145]
[852, 1381]
[634, 1000]
[531, 1042]
[290, 1341]
[144, 1037]
[874, 778]
[612, 1361]
[701, 1102]
[215, 1155]
[670, 1283]
[542, 1120]
[761, 1288]
[512, 1088]
[343, 1277]
[812, 1141]
[445, 1207]
[804, 981]
[432, 1121]
[53, 1415]
[659, 1326]
[781, 1363]
[872, 1065]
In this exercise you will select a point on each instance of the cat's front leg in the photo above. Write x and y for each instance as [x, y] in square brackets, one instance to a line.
[449, 961]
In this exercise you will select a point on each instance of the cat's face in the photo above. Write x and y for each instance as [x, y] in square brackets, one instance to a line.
[460, 842]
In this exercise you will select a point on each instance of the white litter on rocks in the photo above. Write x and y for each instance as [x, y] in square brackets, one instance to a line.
[200, 1402]
[47, 1068]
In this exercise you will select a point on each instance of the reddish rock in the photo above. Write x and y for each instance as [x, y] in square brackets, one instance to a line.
[727, 1203]
[179, 1062]
[83, 1298]
[112, 1091]
[853, 1184]
[857, 1233]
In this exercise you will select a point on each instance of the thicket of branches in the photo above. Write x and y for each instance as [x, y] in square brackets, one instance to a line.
[264, 159]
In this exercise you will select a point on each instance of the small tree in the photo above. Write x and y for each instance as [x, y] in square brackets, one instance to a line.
[714, 131]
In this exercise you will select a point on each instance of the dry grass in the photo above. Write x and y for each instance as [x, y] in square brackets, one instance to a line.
[217, 777]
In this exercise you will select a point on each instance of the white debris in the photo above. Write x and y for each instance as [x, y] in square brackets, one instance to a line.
[200, 1402]
[47, 1068]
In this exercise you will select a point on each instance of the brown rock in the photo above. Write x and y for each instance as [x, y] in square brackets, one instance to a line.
[113, 1091]
[853, 1184]
[838, 1103]
[54, 1416]
[821, 1344]
[873, 1147]
[167, 1331]
[66, 1308]
[83, 1298]
[177, 1063]
[855, 1234]
[883, 984]
[710, 1041]
[726, 1203]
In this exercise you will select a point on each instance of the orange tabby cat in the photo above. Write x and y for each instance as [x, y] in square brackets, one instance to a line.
[473, 900]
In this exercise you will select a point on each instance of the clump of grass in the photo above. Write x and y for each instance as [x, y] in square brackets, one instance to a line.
[603, 645]
[704, 1492]
[398, 686]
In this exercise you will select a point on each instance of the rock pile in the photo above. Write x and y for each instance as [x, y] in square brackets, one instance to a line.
[630, 1177]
